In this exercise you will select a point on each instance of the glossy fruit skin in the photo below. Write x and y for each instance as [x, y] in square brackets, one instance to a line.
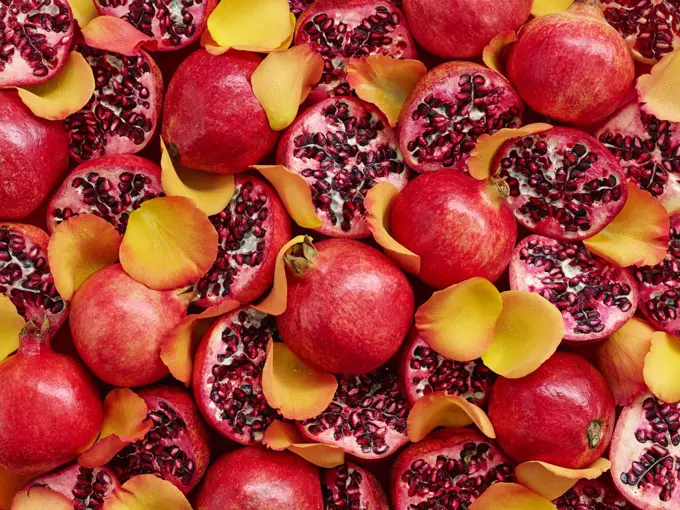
[458, 226]
[253, 478]
[530, 414]
[33, 157]
[212, 120]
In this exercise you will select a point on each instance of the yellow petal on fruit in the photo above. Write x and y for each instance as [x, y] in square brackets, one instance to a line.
[621, 360]
[510, 496]
[294, 192]
[113, 34]
[528, 332]
[377, 203]
[384, 81]
[660, 91]
[10, 484]
[637, 236]
[79, 247]
[209, 45]
[41, 498]
[211, 192]
[84, 11]
[661, 367]
[493, 55]
[294, 389]
[459, 321]
[545, 7]
[281, 436]
[442, 410]
[481, 157]
[147, 492]
[178, 348]
[63, 94]
[169, 243]
[283, 81]
[11, 324]
[552, 481]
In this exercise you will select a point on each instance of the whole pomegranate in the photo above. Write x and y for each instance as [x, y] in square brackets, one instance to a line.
[33, 155]
[459, 226]
[461, 28]
[50, 410]
[571, 66]
[254, 478]
[449, 109]
[451, 468]
[349, 307]
[563, 413]
[592, 495]
[118, 326]
[342, 147]
[349, 487]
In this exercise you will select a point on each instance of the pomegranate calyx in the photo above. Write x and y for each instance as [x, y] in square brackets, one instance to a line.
[499, 188]
[594, 433]
[300, 257]
[33, 338]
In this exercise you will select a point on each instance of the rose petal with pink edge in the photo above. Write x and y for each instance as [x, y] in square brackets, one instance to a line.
[377, 204]
[637, 236]
[660, 91]
[41, 498]
[294, 389]
[79, 247]
[169, 243]
[283, 81]
[545, 7]
[113, 34]
[84, 11]
[442, 410]
[281, 436]
[494, 52]
[385, 81]
[10, 484]
[510, 496]
[528, 332]
[11, 324]
[552, 481]
[661, 367]
[147, 492]
[459, 321]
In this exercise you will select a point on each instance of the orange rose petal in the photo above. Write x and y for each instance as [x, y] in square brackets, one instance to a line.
[545, 7]
[10, 484]
[211, 192]
[493, 55]
[110, 33]
[621, 360]
[637, 236]
[295, 390]
[528, 332]
[265, 49]
[294, 192]
[442, 410]
[660, 91]
[552, 481]
[481, 157]
[79, 247]
[459, 322]
[283, 81]
[281, 436]
[147, 492]
[385, 81]
[169, 243]
[63, 94]
[510, 496]
[11, 324]
[377, 204]
[41, 498]
[84, 11]
[178, 348]
[661, 367]
[209, 44]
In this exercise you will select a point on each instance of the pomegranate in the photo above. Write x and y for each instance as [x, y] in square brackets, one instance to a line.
[122, 115]
[529, 413]
[561, 183]
[35, 38]
[349, 307]
[175, 449]
[50, 410]
[110, 187]
[33, 155]
[451, 468]
[645, 455]
[227, 376]
[87, 488]
[449, 109]
[349, 487]
[367, 417]
[459, 226]
[297, 6]
[423, 370]
[118, 326]
[234, 132]
[591, 495]
[595, 297]
[342, 148]
[571, 66]
[252, 229]
[342, 29]
[254, 478]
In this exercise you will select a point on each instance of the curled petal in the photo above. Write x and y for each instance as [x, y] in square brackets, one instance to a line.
[545, 7]
[147, 492]
[41, 498]
[510, 496]
[660, 91]
[661, 367]
[84, 11]
[10, 484]
[113, 34]
[11, 324]
[284, 436]
[493, 55]
[552, 481]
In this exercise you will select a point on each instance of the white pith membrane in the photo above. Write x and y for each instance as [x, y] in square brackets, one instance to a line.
[591, 495]
[87, 488]
[344, 488]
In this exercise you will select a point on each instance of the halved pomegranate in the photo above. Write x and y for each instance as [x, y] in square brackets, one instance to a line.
[87, 488]
[297, 6]
[592, 495]
[349, 487]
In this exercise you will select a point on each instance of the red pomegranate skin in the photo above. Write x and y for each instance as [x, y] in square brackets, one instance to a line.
[212, 120]
[458, 226]
[545, 415]
[33, 157]
[350, 311]
[571, 66]
[461, 28]
[253, 478]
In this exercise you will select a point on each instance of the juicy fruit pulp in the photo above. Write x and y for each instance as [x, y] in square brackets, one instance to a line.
[348, 487]
[591, 495]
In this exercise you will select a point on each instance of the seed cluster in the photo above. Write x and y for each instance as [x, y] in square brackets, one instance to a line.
[588, 497]
[345, 494]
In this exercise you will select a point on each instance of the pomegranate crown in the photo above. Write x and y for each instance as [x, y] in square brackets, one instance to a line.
[33, 337]
[301, 256]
